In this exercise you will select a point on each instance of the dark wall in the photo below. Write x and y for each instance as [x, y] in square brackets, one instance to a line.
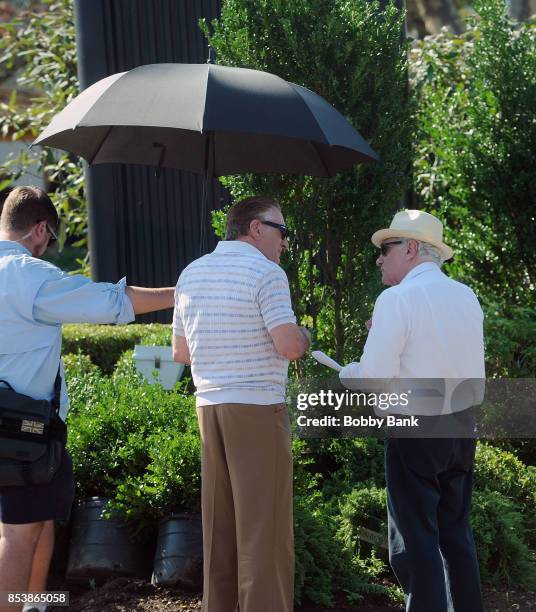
[140, 226]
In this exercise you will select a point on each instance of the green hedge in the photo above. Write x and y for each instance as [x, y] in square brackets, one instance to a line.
[139, 445]
[104, 344]
[117, 428]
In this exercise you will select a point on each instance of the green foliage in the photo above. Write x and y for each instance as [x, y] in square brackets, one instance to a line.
[500, 538]
[510, 337]
[117, 428]
[348, 52]
[104, 344]
[81, 376]
[523, 449]
[504, 517]
[40, 49]
[501, 471]
[338, 464]
[139, 445]
[347, 484]
[328, 562]
[365, 508]
[170, 483]
[476, 101]
[324, 565]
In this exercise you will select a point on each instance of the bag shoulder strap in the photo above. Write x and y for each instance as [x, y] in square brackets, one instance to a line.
[57, 392]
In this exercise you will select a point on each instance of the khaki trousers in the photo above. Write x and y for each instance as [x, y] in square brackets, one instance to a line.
[248, 542]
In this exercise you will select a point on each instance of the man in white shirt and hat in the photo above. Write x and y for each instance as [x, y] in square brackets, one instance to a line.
[426, 326]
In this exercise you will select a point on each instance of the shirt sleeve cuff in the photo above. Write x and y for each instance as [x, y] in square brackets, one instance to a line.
[126, 311]
[348, 375]
[284, 320]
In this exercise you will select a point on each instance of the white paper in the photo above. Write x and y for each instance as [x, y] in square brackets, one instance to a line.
[325, 360]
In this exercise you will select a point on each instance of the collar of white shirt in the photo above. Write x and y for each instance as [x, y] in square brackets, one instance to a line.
[427, 266]
[237, 246]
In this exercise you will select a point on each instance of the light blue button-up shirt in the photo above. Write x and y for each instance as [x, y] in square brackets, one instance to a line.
[36, 297]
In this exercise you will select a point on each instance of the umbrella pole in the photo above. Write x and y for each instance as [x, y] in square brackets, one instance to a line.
[209, 144]
[203, 215]
[209, 172]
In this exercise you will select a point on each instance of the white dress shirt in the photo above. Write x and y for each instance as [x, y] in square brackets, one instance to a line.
[427, 326]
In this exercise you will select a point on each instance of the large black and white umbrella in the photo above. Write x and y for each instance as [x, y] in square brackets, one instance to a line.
[206, 118]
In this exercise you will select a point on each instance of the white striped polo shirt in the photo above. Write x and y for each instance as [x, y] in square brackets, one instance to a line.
[226, 302]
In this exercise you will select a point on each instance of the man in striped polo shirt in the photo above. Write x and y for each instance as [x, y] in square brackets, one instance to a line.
[234, 324]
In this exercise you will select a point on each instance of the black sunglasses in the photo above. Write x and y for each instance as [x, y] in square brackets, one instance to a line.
[384, 248]
[280, 226]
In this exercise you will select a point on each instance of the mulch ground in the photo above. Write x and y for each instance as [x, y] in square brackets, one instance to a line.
[128, 595]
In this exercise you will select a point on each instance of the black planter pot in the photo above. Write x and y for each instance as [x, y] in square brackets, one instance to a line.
[102, 548]
[178, 560]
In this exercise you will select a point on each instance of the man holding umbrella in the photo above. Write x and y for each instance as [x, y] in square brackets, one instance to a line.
[234, 324]
[233, 317]
[35, 299]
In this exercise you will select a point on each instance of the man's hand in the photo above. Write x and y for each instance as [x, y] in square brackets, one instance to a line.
[368, 324]
[145, 299]
[306, 333]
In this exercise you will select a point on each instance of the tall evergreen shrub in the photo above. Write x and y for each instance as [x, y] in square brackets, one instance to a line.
[351, 53]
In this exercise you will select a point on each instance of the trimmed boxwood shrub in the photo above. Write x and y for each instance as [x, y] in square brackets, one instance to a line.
[104, 344]
[132, 442]
[81, 377]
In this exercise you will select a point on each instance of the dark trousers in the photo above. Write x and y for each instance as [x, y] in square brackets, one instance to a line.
[431, 546]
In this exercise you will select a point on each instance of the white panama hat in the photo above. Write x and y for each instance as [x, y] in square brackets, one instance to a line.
[418, 225]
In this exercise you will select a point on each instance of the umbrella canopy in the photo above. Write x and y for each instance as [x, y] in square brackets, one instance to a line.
[207, 118]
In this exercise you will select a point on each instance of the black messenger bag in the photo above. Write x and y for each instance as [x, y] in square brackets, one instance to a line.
[32, 437]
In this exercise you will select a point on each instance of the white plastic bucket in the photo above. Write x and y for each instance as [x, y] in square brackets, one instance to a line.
[159, 359]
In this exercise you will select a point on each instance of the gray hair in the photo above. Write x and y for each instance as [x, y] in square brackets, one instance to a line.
[429, 250]
[425, 249]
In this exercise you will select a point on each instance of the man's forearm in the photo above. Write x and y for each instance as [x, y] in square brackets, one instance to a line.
[306, 334]
[145, 299]
[290, 340]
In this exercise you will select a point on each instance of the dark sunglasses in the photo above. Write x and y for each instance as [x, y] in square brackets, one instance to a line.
[282, 228]
[384, 248]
